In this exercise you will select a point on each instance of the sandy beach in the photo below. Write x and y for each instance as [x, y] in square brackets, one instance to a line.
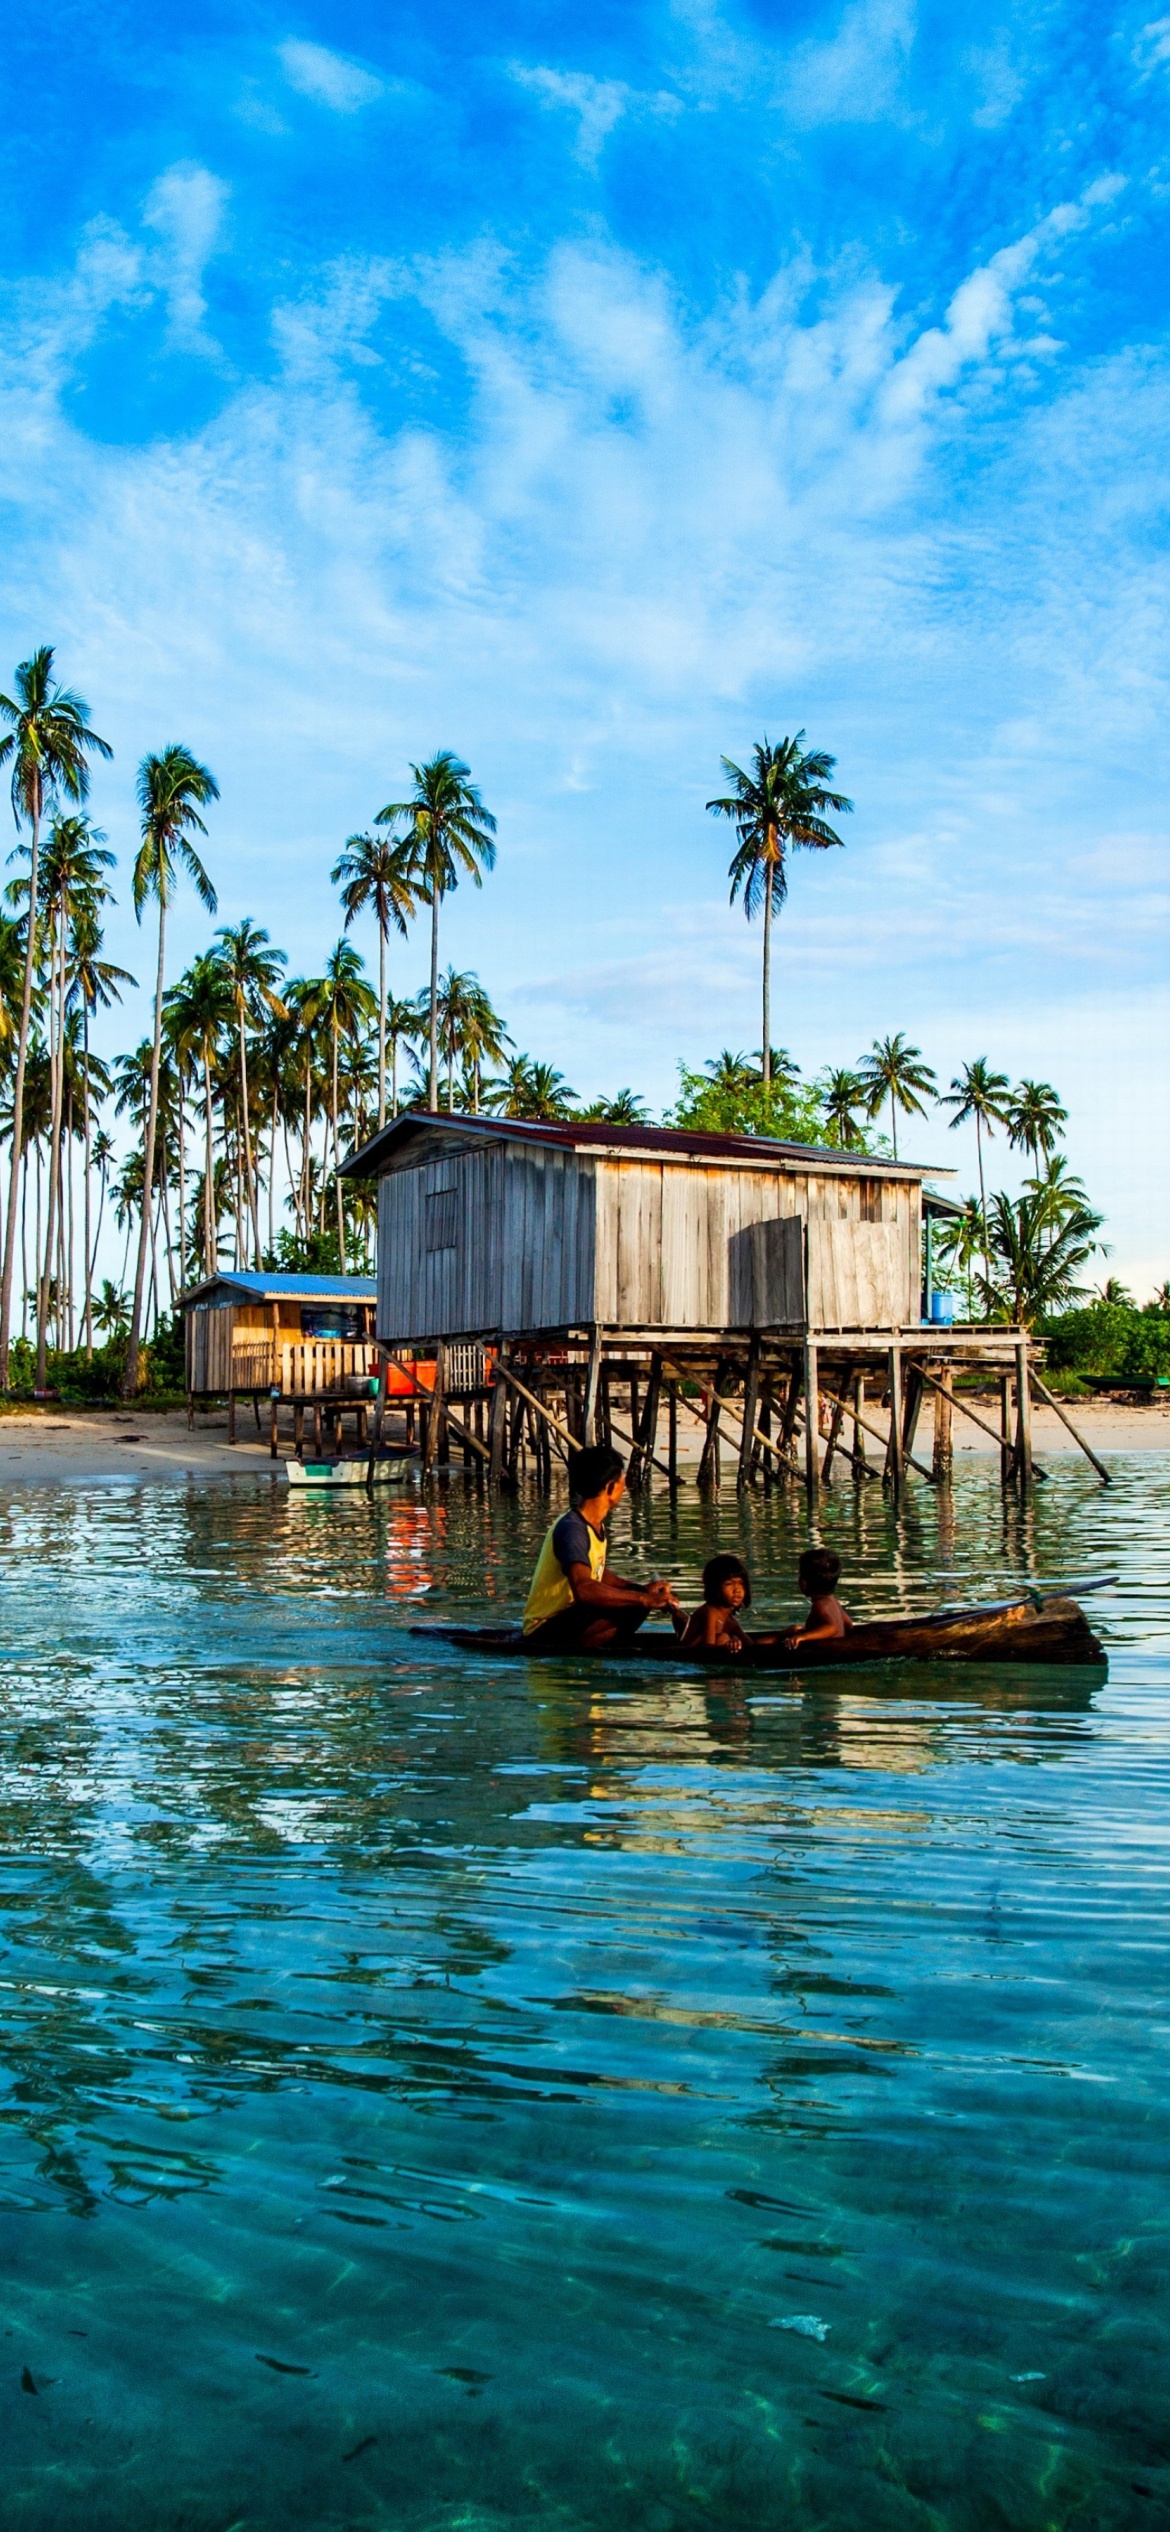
[49, 1446]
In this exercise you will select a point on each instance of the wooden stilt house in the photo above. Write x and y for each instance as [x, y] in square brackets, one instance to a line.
[306, 1335]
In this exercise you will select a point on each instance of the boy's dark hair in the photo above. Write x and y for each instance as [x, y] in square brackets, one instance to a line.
[724, 1569]
[818, 1572]
[592, 1469]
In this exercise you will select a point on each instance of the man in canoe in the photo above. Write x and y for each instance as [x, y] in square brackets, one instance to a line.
[575, 1605]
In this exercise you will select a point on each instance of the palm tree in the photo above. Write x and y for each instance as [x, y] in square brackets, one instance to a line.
[1037, 1256]
[49, 741]
[781, 802]
[842, 1097]
[625, 1108]
[980, 1093]
[347, 1004]
[895, 1071]
[94, 980]
[1035, 1118]
[172, 788]
[72, 889]
[379, 870]
[534, 1091]
[450, 835]
[199, 1014]
[961, 1240]
[101, 1154]
[251, 972]
[110, 1312]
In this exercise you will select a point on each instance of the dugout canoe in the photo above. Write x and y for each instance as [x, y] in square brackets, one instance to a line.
[1035, 1627]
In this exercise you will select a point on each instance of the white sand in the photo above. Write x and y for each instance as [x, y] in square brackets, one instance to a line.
[46, 1446]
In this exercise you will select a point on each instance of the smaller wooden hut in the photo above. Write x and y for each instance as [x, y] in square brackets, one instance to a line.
[307, 1336]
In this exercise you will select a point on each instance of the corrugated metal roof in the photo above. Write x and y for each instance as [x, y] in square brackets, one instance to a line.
[622, 1138]
[286, 1287]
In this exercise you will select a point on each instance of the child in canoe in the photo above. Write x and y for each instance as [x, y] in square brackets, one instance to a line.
[714, 1627]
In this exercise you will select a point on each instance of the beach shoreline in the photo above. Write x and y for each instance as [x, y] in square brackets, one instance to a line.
[58, 1446]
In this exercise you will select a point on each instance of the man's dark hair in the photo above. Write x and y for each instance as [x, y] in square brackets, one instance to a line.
[592, 1469]
[818, 1572]
[724, 1569]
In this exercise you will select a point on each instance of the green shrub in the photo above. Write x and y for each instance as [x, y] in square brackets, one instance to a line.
[1110, 1340]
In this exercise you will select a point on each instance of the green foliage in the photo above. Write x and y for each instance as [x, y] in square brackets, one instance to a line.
[1111, 1340]
[316, 1255]
[785, 1111]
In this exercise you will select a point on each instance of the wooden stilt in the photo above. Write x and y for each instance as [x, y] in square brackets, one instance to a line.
[766, 1461]
[835, 1422]
[751, 1404]
[672, 1435]
[943, 1458]
[964, 1407]
[709, 1463]
[592, 1379]
[645, 1429]
[299, 1428]
[911, 1410]
[791, 1411]
[498, 1421]
[861, 1467]
[434, 1414]
[318, 1437]
[812, 1418]
[894, 1469]
[1023, 1420]
[231, 1415]
[376, 1432]
[1005, 1428]
[273, 1423]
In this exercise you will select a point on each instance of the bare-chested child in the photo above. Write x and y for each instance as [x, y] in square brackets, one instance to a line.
[818, 1575]
[714, 1627]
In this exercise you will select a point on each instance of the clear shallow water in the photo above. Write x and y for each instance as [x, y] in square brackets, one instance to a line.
[437, 2093]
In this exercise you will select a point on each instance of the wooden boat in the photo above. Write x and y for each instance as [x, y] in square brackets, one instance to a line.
[352, 1471]
[1034, 1625]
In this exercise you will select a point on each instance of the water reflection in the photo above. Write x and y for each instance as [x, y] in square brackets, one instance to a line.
[493, 2072]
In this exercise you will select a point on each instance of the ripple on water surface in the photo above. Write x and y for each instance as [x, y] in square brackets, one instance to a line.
[438, 2092]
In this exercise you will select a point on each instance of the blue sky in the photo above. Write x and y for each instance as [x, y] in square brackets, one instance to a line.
[592, 392]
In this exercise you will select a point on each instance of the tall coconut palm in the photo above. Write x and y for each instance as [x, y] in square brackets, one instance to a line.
[379, 871]
[172, 789]
[843, 1100]
[983, 1094]
[72, 888]
[1037, 1255]
[895, 1071]
[1035, 1119]
[346, 1006]
[94, 980]
[449, 833]
[199, 1013]
[781, 802]
[252, 972]
[402, 1026]
[49, 741]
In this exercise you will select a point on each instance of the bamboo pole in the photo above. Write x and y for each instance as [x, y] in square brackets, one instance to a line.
[812, 1417]
[751, 1392]
[1066, 1420]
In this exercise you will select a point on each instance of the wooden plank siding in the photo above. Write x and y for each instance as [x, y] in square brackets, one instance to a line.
[551, 1238]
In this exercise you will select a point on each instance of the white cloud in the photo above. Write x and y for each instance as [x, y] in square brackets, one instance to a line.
[185, 209]
[598, 104]
[328, 77]
[1152, 49]
[855, 77]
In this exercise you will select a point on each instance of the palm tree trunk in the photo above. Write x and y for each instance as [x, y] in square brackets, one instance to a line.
[982, 1194]
[71, 1250]
[767, 1064]
[272, 1166]
[381, 1026]
[87, 1223]
[18, 1092]
[181, 1097]
[337, 1157]
[394, 1074]
[91, 1254]
[130, 1374]
[433, 1071]
[209, 1227]
[56, 1075]
[251, 1202]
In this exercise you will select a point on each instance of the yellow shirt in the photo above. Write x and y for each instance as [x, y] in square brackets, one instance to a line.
[572, 1540]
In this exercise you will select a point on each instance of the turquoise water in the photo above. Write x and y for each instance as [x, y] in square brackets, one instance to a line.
[437, 2093]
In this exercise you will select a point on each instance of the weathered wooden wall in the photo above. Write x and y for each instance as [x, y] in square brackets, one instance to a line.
[499, 1236]
[239, 1348]
[516, 1237]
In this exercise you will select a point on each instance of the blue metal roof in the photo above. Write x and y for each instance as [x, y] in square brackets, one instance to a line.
[289, 1287]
